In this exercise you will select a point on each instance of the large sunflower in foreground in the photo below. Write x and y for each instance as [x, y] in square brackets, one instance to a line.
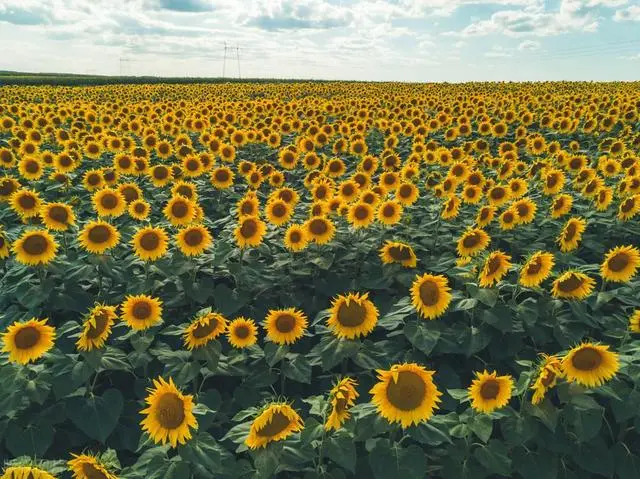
[489, 392]
[27, 341]
[276, 421]
[250, 231]
[473, 241]
[352, 316]
[621, 264]
[548, 373]
[169, 415]
[26, 472]
[537, 268]
[203, 329]
[430, 295]
[242, 333]
[495, 267]
[97, 327]
[573, 285]
[405, 394]
[285, 326]
[193, 240]
[141, 312]
[85, 466]
[342, 396]
[590, 364]
[150, 243]
[397, 252]
[35, 247]
[98, 236]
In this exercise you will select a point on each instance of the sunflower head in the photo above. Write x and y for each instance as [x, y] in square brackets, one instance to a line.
[35, 247]
[28, 341]
[204, 328]
[549, 371]
[341, 397]
[141, 311]
[430, 295]
[496, 266]
[98, 236]
[285, 326]
[489, 392]
[250, 231]
[194, 240]
[242, 333]
[621, 264]
[296, 238]
[86, 466]
[97, 327]
[276, 422]
[537, 268]
[150, 243]
[320, 229]
[573, 285]
[590, 364]
[26, 472]
[352, 316]
[472, 242]
[397, 252]
[109, 202]
[389, 212]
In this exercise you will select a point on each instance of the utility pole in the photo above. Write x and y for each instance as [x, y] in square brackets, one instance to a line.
[124, 62]
[224, 61]
[238, 58]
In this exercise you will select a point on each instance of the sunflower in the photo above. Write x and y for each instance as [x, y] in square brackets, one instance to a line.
[150, 243]
[285, 326]
[179, 211]
[573, 285]
[571, 234]
[553, 181]
[26, 472]
[451, 208]
[389, 212]
[250, 231]
[160, 175]
[561, 205]
[489, 392]
[603, 198]
[4, 246]
[430, 295]
[130, 192]
[549, 371]
[352, 316]
[536, 269]
[397, 252]
[30, 168]
[57, 216]
[98, 236]
[203, 329]
[296, 238]
[472, 242]
[621, 264]
[85, 466]
[26, 203]
[276, 421]
[508, 219]
[278, 212]
[222, 177]
[8, 186]
[525, 210]
[320, 229]
[629, 208]
[248, 206]
[109, 202]
[193, 240]
[405, 394]
[498, 195]
[93, 180]
[341, 397]
[634, 321]
[485, 215]
[495, 267]
[139, 210]
[242, 333]
[97, 327]
[28, 341]
[407, 194]
[590, 364]
[360, 215]
[186, 189]
[141, 312]
[169, 415]
[35, 247]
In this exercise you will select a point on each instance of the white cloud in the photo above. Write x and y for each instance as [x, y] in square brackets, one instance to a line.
[498, 51]
[529, 45]
[631, 13]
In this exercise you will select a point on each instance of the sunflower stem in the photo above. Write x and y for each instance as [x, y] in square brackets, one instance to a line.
[435, 238]
[282, 379]
[93, 383]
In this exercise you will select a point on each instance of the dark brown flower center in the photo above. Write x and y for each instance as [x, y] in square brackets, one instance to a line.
[535, 266]
[32, 167]
[295, 237]
[99, 234]
[279, 423]
[241, 332]
[361, 212]
[618, 262]
[408, 392]
[429, 293]
[130, 193]
[351, 313]
[202, 330]
[587, 359]
[249, 228]
[102, 320]
[150, 241]
[471, 240]
[318, 226]
[285, 323]
[91, 472]
[142, 310]
[27, 337]
[35, 245]
[493, 265]
[279, 210]
[179, 209]
[170, 411]
[194, 237]
[160, 172]
[570, 232]
[572, 283]
[109, 201]
[27, 202]
[388, 211]
[627, 205]
[59, 214]
[490, 389]
[222, 176]
[400, 253]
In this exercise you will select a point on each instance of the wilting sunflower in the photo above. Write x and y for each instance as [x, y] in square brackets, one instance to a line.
[28, 341]
[109, 202]
[26, 203]
[352, 316]
[276, 421]
[57, 216]
[549, 371]
[590, 364]
[242, 332]
[320, 229]
[296, 238]
[285, 326]
[342, 397]
[26, 472]
[430, 295]
[621, 264]
[489, 391]
[98, 236]
[250, 231]
[179, 211]
[389, 212]
[85, 466]
[141, 312]
[571, 234]
[397, 252]
[573, 285]
[537, 268]
[150, 243]
[169, 415]
[495, 267]
[634, 321]
[203, 329]
[360, 215]
[35, 247]
[405, 394]
[97, 327]
[193, 240]
[472, 242]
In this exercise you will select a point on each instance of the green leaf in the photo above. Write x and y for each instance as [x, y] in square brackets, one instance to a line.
[499, 317]
[494, 457]
[482, 426]
[392, 461]
[465, 304]
[203, 451]
[342, 450]
[421, 336]
[275, 353]
[31, 440]
[297, 368]
[96, 416]
[627, 463]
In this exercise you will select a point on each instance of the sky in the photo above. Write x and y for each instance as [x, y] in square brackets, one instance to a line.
[380, 40]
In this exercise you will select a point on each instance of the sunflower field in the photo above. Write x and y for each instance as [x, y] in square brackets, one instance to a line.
[320, 280]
